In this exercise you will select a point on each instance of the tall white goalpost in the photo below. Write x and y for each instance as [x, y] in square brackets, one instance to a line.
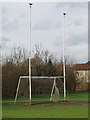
[64, 75]
[43, 77]
[30, 4]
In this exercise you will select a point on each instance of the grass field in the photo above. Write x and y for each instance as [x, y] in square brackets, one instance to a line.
[48, 110]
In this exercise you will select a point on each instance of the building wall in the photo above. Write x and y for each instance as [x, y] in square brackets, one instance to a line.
[83, 79]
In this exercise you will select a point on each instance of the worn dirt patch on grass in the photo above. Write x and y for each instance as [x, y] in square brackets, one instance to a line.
[64, 103]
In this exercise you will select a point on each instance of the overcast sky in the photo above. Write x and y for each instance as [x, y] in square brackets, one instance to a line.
[47, 27]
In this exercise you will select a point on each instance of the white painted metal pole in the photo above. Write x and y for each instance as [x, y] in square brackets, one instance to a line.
[30, 59]
[17, 90]
[64, 14]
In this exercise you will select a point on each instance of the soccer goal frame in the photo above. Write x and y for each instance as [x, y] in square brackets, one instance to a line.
[36, 77]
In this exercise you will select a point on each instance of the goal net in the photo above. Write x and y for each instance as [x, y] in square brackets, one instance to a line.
[43, 89]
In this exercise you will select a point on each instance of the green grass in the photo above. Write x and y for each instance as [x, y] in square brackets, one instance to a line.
[81, 96]
[47, 111]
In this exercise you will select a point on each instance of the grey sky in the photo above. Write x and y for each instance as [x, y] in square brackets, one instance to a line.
[47, 27]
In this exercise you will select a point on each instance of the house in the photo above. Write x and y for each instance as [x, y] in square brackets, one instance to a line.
[82, 72]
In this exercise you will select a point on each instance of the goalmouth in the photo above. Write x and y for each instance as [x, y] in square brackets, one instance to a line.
[54, 92]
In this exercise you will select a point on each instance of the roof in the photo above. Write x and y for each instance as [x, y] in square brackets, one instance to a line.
[84, 66]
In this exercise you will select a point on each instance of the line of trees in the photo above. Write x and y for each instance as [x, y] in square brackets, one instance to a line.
[43, 63]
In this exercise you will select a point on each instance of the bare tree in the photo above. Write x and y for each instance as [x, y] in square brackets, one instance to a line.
[17, 55]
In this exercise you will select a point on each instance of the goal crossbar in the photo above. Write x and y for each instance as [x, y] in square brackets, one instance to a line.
[36, 77]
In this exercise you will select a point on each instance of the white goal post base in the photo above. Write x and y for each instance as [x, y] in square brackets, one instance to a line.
[38, 77]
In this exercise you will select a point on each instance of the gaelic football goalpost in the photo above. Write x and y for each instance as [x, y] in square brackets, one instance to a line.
[54, 90]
